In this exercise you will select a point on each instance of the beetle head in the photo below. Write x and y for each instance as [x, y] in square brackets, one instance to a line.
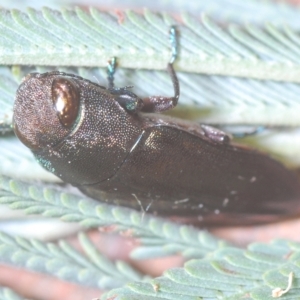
[74, 127]
[36, 121]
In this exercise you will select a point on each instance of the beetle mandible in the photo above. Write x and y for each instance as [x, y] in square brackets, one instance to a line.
[111, 145]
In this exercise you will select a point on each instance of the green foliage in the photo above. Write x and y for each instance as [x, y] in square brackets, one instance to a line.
[80, 38]
[227, 273]
[157, 234]
[80, 41]
[216, 270]
[64, 262]
[7, 294]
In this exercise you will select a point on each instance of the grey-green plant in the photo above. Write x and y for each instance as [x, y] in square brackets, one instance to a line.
[230, 72]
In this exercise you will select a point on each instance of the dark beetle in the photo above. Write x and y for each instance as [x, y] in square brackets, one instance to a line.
[98, 140]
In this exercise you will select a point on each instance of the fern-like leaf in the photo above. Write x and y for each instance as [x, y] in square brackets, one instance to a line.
[155, 233]
[80, 38]
[228, 273]
[65, 262]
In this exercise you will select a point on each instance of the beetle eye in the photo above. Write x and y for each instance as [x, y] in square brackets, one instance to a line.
[65, 97]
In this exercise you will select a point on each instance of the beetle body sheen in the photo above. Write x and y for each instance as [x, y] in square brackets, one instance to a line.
[147, 161]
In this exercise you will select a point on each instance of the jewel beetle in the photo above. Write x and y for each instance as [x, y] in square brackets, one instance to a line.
[114, 147]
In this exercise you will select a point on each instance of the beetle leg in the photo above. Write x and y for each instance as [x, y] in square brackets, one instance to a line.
[161, 103]
[216, 134]
[240, 131]
[5, 128]
[111, 69]
[127, 99]
[132, 102]
[255, 131]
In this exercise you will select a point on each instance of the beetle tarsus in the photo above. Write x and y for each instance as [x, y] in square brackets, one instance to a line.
[174, 43]
[111, 69]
